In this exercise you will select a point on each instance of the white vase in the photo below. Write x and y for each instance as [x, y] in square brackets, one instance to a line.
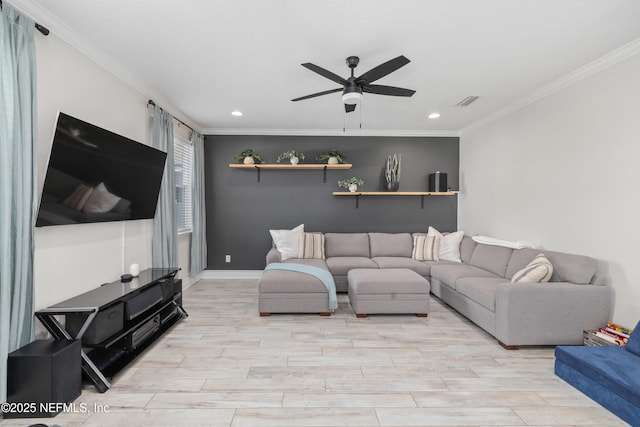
[248, 160]
[294, 160]
[353, 188]
[332, 161]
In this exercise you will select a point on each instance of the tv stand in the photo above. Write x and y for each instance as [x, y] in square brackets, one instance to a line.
[117, 321]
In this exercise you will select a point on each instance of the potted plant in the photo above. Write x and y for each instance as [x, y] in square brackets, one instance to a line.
[392, 172]
[248, 157]
[332, 157]
[292, 155]
[351, 184]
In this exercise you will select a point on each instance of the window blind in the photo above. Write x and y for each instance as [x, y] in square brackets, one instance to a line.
[183, 167]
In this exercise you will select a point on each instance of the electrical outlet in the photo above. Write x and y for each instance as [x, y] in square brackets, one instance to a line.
[227, 258]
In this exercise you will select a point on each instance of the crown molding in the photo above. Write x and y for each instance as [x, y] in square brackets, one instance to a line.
[36, 12]
[60, 30]
[331, 132]
[624, 52]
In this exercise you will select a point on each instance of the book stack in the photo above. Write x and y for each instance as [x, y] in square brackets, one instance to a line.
[611, 334]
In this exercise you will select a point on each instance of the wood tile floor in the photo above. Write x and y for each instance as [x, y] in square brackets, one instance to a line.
[226, 366]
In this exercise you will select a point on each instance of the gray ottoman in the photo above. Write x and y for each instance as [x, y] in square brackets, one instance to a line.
[281, 291]
[383, 291]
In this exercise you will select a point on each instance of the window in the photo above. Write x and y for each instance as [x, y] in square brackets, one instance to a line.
[183, 168]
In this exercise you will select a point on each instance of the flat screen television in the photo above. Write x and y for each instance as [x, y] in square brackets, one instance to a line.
[95, 175]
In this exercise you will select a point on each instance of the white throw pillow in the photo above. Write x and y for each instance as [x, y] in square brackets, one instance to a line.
[449, 244]
[539, 270]
[101, 200]
[288, 241]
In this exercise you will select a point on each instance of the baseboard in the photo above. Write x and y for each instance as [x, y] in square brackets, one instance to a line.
[230, 274]
[190, 281]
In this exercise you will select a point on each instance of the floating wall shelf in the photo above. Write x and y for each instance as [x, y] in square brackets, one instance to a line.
[277, 166]
[357, 194]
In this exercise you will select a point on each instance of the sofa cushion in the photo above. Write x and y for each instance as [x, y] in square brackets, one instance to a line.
[492, 258]
[432, 263]
[283, 281]
[450, 273]
[340, 266]
[312, 246]
[578, 269]
[467, 245]
[613, 367]
[539, 270]
[633, 345]
[313, 262]
[402, 262]
[449, 244]
[390, 244]
[426, 248]
[395, 281]
[480, 289]
[346, 244]
[288, 241]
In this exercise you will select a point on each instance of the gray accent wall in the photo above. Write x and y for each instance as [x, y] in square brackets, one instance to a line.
[241, 211]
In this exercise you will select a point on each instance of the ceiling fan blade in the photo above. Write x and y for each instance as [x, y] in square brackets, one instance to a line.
[388, 90]
[349, 108]
[313, 95]
[382, 70]
[325, 73]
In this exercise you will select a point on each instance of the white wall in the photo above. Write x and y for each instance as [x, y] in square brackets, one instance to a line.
[72, 259]
[563, 173]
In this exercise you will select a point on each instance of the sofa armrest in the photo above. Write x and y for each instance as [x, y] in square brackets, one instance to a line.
[273, 256]
[550, 313]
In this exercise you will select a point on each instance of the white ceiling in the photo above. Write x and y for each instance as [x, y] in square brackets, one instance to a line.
[201, 59]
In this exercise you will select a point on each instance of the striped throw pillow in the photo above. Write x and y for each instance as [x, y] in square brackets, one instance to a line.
[312, 246]
[538, 270]
[426, 248]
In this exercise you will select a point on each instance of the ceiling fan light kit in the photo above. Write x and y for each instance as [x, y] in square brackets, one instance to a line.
[352, 98]
[353, 87]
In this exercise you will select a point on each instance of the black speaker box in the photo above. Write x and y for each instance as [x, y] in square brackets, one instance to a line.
[43, 373]
[438, 182]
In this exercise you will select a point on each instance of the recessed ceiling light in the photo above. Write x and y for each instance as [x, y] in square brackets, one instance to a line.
[434, 115]
[236, 113]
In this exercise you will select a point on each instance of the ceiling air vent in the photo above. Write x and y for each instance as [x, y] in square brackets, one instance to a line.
[465, 102]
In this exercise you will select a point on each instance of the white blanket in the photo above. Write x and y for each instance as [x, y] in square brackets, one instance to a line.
[506, 243]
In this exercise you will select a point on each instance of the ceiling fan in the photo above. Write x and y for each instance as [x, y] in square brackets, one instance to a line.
[353, 87]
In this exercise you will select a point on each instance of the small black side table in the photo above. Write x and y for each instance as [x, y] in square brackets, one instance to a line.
[41, 374]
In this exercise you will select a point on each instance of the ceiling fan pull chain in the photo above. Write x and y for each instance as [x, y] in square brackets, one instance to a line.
[344, 122]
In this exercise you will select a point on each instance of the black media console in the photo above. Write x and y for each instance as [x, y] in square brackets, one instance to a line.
[118, 320]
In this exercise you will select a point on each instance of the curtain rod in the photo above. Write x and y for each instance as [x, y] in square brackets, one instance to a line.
[190, 128]
[44, 30]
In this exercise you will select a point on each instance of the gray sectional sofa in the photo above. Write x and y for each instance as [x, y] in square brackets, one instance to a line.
[554, 313]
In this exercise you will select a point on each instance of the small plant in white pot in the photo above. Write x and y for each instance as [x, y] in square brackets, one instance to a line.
[332, 157]
[351, 184]
[248, 157]
[292, 155]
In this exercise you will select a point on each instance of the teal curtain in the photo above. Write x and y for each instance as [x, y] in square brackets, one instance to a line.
[165, 226]
[17, 183]
[199, 232]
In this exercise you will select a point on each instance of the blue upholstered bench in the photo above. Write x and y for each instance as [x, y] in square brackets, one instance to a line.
[609, 375]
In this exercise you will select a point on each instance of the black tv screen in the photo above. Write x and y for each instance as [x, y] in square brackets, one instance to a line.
[95, 175]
